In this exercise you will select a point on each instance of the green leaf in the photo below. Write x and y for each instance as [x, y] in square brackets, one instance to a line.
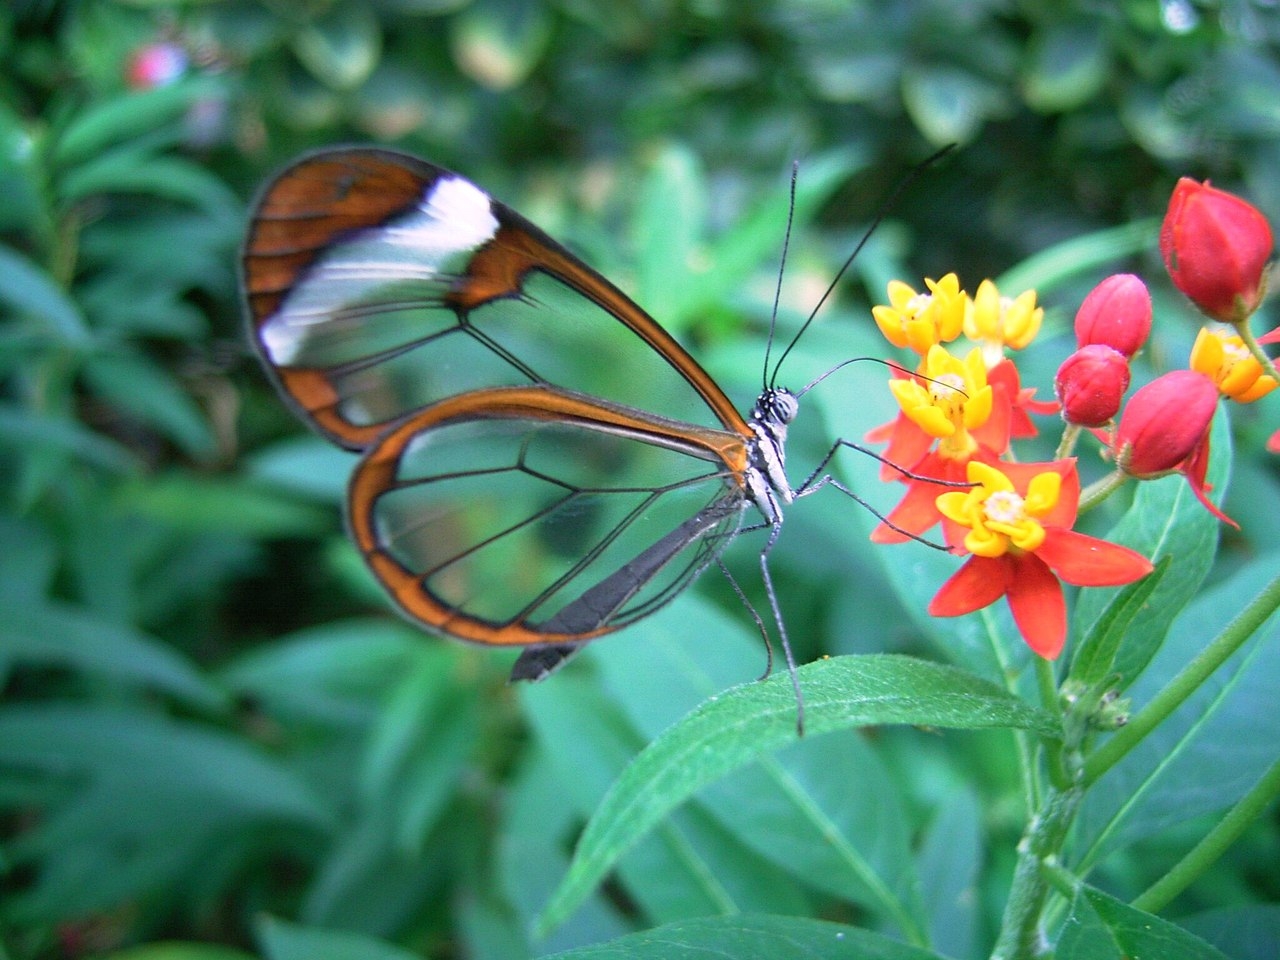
[690, 865]
[498, 42]
[55, 635]
[737, 254]
[341, 48]
[306, 465]
[28, 289]
[948, 104]
[35, 431]
[1100, 927]
[750, 721]
[1247, 931]
[951, 859]
[1096, 654]
[130, 115]
[668, 226]
[825, 809]
[148, 391]
[127, 170]
[1165, 519]
[288, 941]
[334, 674]
[1066, 67]
[1214, 747]
[750, 937]
[1080, 256]
[228, 505]
[419, 745]
[530, 857]
[141, 801]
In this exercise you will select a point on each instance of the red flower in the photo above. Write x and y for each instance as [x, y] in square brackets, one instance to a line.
[1216, 247]
[1117, 313]
[1091, 383]
[1019, 518]
[1165, 428]
[1007, 382]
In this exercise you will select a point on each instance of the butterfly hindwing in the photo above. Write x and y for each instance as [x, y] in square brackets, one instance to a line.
[534, 515]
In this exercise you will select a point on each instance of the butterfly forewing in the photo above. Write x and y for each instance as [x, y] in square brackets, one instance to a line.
[536, 515]
[379, 284]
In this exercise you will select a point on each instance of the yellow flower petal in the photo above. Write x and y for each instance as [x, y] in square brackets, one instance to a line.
[1043, 492]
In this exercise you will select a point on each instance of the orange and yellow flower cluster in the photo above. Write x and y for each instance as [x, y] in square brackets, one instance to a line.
[960, 410]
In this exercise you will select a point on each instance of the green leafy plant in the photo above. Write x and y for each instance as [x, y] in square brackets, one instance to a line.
[217, 742]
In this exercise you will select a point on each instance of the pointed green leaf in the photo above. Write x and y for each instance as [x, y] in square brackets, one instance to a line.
[751, 937]
[28, 289]
[289, 941]
[1097, 652]
[752, 720]
[1100, 927]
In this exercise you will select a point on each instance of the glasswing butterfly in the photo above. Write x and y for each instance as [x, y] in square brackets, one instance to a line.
[542, 463]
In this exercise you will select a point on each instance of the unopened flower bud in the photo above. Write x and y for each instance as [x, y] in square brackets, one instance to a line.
[1216, 246]
[1165, 422]
[1117, 313]
[1091, 383]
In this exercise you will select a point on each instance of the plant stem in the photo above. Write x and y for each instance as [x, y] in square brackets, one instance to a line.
[1070, 434]
[1049, 700]
[1099, 490]
[1214, 844]
[1239, 630]
[1251, 342]
[1021, 937]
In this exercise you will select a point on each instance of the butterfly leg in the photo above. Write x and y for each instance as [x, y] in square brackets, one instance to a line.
[772, 594]
[764, 632]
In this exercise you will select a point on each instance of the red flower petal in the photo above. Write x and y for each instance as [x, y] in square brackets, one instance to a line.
[1035, 597]
[979, 583]
[915, 513]
[1089, 562]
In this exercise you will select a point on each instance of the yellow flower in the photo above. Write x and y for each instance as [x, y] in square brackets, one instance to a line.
[922, 320]
[1224, 359]
[998, 516]
[997, 322]
[953, 399]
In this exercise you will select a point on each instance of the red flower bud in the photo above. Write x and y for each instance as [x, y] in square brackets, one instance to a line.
[1090, 383]
[1164, 423]
[1117, 312]
[1215, 246]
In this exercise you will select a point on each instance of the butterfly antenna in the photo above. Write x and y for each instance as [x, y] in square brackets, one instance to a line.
[765, 380]
[883, 211]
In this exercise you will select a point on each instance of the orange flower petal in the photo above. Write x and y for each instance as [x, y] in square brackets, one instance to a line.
[1089, 562]
[1039, 610]
[979, 583]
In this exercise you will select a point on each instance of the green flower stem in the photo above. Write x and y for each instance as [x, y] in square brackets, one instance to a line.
[1255, 348]
[1099, 490]
[1048, 684]
[1185, 683]
[1067, 445]
[1021, 937]
[1214, 844]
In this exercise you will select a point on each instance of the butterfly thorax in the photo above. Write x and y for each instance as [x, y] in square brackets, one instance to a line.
[767, 477]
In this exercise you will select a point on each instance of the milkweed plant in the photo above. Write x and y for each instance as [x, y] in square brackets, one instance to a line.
[953, 452]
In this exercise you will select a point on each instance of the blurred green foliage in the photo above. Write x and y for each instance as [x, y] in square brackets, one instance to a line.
[212, 729]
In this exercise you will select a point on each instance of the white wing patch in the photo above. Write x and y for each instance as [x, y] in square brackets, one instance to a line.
[454, 218]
